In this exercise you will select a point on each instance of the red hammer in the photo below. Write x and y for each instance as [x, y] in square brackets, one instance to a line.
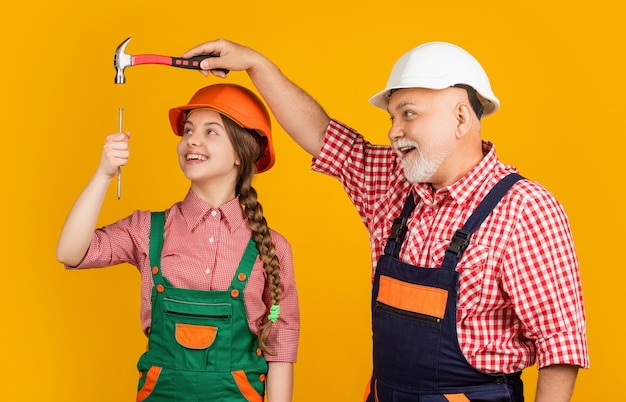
[122, 60]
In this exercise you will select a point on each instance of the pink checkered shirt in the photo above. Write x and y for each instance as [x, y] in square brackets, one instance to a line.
[520, 298]
[202, 247]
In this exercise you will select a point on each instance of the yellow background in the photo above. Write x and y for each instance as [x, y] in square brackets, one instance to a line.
[557, 68]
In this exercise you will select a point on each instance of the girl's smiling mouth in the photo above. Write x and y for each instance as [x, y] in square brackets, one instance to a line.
[196, 157]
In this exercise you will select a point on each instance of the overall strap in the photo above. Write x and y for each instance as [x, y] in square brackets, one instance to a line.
[157, 224]
[245, 266]
[461, 239]
[399, 228]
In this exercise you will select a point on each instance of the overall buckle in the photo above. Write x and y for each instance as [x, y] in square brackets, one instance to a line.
[398, 229]
[459, 243]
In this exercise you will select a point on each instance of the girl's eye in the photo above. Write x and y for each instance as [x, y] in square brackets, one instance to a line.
[211, 132]
[187, 131]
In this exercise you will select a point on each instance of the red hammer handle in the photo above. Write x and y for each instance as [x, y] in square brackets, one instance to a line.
[192, 63]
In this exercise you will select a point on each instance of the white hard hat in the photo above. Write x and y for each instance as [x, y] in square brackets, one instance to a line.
[438, 65]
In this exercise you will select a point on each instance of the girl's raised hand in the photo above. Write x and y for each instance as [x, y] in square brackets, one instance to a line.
[115, 153]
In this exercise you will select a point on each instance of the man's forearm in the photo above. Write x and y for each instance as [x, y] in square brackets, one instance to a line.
[301, 116]
[556, 383]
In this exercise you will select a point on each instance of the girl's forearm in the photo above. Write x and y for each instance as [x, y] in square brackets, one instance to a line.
[279, 386]
[79, 225]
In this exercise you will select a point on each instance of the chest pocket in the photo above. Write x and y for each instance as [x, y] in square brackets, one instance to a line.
[474, 276]
[201, 331]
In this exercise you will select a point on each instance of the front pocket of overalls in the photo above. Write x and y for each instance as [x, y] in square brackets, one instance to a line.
[147, 383]
[195, 336]
[407, 325]
[245, 386]
[202, 334]
[414, 301]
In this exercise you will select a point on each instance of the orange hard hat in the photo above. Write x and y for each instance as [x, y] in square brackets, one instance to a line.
[238, 103]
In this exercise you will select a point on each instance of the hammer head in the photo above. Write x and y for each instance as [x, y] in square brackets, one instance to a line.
[121, 60]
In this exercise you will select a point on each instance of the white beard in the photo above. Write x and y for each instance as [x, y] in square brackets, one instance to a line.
[420, 168]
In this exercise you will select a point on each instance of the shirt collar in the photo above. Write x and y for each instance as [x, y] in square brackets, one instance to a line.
[462, 190]
[194, 210]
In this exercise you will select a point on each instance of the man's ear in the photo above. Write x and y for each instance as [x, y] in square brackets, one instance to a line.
[464, 117]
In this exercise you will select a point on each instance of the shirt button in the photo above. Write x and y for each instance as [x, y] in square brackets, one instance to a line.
[213, 213]
[207, 271]
[211, 240]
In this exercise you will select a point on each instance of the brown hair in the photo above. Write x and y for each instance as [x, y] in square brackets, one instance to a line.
[246, 144]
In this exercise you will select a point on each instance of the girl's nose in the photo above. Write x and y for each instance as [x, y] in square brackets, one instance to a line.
[194, 139]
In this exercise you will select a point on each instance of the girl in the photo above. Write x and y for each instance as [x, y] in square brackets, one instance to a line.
[219, 303]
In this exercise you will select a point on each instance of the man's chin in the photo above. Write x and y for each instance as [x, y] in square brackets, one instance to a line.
[416, 176]
[417, 179]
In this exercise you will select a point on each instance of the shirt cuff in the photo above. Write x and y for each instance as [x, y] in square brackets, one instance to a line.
[339, 141]
[288, 352]
[564, 348]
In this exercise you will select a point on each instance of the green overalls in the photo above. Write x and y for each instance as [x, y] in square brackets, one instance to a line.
[200, 347]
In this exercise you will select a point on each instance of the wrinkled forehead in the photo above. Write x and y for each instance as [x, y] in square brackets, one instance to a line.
[401, 97]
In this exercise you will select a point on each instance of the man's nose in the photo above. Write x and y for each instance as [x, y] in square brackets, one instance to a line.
[395, 131]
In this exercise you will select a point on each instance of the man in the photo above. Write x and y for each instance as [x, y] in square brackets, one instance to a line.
[461, 303]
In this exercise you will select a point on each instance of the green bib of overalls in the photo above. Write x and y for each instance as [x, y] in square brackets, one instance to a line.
[200, 347]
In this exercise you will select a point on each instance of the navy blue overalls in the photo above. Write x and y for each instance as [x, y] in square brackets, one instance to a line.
[416, 353]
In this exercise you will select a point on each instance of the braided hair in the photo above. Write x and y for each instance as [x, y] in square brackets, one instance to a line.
[246, 144]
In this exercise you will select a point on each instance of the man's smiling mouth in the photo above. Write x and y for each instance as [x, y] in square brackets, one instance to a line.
[405, 149]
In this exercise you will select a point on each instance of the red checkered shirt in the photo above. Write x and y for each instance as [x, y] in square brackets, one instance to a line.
[202, 247]
[519, 292]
